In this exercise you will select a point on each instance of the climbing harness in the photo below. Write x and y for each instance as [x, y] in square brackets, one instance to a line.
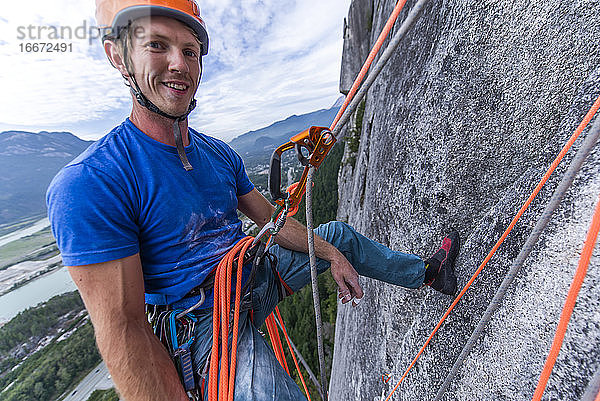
[175, 330]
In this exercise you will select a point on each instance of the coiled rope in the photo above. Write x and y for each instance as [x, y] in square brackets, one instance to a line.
[222, 380]
[221, 384]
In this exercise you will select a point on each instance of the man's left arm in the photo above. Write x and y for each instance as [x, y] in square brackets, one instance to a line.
[293, 236]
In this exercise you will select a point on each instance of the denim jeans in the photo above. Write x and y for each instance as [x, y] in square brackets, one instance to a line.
[259, 376]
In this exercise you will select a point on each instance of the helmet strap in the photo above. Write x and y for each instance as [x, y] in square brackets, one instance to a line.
[145, 102]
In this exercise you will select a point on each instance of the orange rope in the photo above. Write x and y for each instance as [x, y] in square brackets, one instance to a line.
[565, 316]
[287, 339]
[555, 163]
[363, 71]
[276, 341]
[222, 379]
[222, 388]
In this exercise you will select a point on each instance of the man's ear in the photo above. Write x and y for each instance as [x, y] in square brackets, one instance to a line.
[116, 59]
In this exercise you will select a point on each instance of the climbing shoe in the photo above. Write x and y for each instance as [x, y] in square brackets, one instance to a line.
[439, 268]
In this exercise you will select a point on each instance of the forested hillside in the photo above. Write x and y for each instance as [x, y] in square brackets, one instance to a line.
[46, 350]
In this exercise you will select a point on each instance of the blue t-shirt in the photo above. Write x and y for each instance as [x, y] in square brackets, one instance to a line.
[128, 193]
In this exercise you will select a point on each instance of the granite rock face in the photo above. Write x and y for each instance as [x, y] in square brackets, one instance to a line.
[456, 132]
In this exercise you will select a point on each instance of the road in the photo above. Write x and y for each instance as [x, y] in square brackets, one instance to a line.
[98, 379]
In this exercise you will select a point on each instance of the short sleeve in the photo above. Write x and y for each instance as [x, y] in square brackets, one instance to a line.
[91, 216]
[243, 183]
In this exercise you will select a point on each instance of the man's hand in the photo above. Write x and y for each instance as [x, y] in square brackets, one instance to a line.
[347, 280]
[293, 236]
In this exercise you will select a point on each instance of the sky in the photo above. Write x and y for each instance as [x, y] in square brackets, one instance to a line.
[268, 59]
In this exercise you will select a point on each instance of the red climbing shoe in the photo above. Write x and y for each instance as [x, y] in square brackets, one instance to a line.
[439, 273]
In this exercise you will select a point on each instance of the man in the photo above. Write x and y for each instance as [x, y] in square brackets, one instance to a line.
[146, 213]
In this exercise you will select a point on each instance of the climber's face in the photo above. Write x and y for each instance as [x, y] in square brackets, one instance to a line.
[166, 62]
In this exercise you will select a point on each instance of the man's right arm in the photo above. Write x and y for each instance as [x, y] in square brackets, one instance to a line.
[113, 293]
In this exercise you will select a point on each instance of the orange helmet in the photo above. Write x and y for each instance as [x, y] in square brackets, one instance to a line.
[116, 14]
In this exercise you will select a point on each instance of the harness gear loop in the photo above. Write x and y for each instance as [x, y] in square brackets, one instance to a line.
[175, 330]
[193, 307]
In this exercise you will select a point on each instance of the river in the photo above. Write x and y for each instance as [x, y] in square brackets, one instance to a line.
[39, 290]
[37, 226]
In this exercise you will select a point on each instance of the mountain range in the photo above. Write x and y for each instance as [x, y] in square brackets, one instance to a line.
[257, 146]
[29, 161]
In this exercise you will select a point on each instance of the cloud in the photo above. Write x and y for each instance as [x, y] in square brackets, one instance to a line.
[268, 59]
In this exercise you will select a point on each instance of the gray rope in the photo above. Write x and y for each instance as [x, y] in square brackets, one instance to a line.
[313, 278]
[593, 388]
[563, 186]
[360, 94]
[303, 361]
[383, 59]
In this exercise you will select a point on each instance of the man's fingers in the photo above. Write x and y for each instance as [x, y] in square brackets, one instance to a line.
[344, 294]
[357, 292]
[352, 292]
[347, 280]
[356, 301]
[356, 289]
